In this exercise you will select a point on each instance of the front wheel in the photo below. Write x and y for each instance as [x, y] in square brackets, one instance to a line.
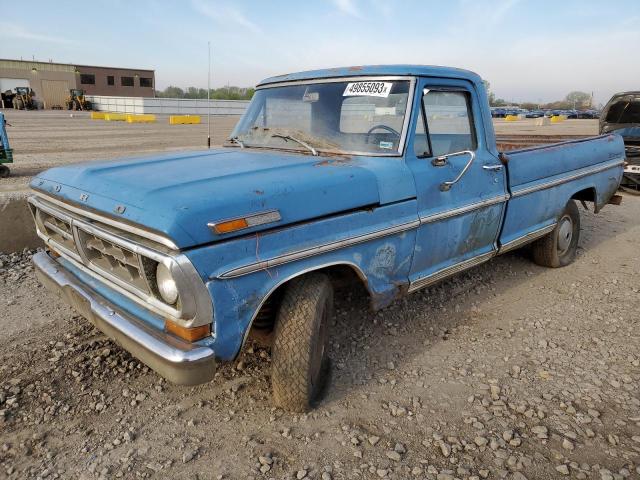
[300, 360]
[558, 248]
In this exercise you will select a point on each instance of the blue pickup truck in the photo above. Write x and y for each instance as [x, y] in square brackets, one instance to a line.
[384, 175]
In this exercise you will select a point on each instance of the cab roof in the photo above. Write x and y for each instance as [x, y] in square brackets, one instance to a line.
[377, 70]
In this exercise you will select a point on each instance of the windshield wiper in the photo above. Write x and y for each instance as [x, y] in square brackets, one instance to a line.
[236, 140]
[297, 140]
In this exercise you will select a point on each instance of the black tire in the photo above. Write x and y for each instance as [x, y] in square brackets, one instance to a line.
[4, 171]
[18, 104]
[559, 247]
[299, 353]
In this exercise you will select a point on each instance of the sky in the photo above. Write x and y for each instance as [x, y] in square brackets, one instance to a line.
[529, 50]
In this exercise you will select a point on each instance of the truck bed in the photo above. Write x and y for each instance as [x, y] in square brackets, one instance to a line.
[542, 178]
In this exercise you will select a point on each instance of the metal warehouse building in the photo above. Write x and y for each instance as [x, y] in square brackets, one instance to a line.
[51, 82]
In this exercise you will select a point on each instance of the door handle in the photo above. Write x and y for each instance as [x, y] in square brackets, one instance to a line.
[492, 168]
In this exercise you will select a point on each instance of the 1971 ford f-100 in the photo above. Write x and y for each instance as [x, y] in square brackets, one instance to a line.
[386, 174]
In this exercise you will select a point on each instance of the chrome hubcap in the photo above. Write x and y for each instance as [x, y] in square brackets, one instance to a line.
[565, 234]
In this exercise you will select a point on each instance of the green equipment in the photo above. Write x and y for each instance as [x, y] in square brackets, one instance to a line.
[6, 154]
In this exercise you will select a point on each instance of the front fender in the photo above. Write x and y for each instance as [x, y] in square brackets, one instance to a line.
[378, 244]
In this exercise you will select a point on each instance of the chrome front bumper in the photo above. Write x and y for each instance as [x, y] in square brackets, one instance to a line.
[176, 360]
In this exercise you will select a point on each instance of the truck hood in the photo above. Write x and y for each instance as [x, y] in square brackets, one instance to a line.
[177, 195]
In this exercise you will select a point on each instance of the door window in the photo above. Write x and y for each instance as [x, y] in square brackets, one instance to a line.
[449, 124]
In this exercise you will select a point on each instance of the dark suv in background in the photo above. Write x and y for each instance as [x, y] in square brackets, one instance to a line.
[622, 115]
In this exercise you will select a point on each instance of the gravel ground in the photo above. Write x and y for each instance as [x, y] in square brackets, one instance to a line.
[507, 371]
[44, 139]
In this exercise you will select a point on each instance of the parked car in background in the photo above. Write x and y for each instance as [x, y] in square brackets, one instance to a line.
[535, 114]
[498, 112]
[621, 115]
[588, 114]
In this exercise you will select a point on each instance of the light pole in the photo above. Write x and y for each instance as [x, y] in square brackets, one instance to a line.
[209, 97]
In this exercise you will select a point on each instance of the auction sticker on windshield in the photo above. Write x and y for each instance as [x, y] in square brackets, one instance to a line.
[368, 89]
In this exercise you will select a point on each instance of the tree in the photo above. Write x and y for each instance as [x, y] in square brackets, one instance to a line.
[578, 99]
[171, 92]
[490, 95]
[225, 93]
[529, 106]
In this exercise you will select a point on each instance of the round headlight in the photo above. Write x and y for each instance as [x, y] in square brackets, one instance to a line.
[166, 284]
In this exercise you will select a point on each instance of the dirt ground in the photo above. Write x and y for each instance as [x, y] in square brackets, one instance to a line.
[43, 139]
[528, 127]
[507, 371]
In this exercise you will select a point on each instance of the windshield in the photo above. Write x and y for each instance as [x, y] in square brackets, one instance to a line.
[624, 110]
[356, 117]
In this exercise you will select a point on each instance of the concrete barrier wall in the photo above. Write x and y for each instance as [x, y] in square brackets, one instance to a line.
[169, 106]
[17, 230]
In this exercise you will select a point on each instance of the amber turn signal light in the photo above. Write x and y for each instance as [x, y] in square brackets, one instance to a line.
[188, 334]
[231, 225]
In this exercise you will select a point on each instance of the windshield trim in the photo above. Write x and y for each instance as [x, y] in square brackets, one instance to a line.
[361, 78]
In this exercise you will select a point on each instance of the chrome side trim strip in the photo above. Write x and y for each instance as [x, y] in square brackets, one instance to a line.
[178, 361]
[108, 221]
[300, 254]
[575, 176]
[318, 250]
[513, 244]
[448, 271]
[464, 209]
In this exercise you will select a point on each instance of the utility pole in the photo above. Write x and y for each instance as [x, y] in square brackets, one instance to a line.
[209, 98]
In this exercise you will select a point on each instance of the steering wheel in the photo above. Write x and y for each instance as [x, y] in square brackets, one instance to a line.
[383, 127]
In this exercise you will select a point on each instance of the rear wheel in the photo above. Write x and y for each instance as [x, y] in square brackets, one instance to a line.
[4, 171]
[300, 361]
[558, 248]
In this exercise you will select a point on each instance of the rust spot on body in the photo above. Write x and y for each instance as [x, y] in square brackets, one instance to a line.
[337, 162]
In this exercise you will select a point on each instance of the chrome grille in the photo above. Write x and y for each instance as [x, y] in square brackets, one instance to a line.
[58, 229]
[97, 249]
[113, 259]
[122, 256]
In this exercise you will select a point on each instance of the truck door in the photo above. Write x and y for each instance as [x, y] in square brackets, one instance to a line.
[460, 184]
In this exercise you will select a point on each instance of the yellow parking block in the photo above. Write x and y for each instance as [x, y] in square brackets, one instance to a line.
[558, 118]
[115, 117]
[98, 115]
[146, 118]
[184, 119]
[511, 118]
